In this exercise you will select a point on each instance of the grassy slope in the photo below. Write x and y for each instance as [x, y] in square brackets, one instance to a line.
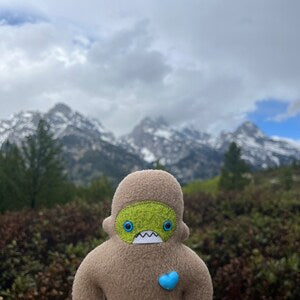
[266, 178]
[209, 186]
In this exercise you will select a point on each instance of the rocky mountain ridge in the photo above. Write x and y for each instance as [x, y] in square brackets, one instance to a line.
[154, 139]
[90, 150]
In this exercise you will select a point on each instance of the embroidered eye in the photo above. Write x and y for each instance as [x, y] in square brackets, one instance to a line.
[167, 225]
[128, 226]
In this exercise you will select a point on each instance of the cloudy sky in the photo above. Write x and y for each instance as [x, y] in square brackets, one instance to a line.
[210, 63]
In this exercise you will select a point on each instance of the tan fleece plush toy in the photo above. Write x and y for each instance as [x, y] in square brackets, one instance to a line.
[144, 257]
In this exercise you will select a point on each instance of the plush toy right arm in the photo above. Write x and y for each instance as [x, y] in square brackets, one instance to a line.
[200, 284]
[84, 287]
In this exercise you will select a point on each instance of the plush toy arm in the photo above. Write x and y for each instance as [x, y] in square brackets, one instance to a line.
[200, 283]
[84, 286]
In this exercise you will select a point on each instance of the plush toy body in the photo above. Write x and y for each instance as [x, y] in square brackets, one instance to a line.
[144, 257]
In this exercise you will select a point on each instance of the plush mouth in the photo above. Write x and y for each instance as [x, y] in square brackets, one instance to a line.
[147, 237]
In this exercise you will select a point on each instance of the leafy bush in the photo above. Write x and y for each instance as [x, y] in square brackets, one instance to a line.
[250, 241]
[40, 251]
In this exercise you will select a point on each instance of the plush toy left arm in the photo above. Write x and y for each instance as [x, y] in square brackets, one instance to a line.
[84, 286]
[200, 283]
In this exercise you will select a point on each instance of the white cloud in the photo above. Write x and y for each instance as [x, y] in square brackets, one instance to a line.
[205, 62]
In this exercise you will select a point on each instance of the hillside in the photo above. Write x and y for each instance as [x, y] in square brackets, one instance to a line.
[273, 178]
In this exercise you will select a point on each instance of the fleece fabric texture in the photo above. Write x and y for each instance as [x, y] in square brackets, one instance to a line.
[145, 215]
[117, 270]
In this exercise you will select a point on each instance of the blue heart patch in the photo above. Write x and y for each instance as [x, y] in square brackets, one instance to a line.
[169, 280]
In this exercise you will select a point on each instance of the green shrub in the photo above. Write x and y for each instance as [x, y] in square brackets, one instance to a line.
[249, 240]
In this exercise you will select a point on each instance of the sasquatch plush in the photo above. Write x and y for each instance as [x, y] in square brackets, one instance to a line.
[144, 257]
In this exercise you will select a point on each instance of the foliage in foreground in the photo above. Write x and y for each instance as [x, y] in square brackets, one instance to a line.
[249, 241]
[33, 175]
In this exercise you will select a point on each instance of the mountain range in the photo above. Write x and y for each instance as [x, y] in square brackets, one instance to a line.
[90, 150]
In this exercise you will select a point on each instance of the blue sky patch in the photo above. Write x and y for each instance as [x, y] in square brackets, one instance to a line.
[266, 111]
[17, 17]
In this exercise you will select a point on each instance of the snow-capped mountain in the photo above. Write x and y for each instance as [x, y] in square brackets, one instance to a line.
[62, 119]
[191, 154]
[186, 152]
[19, 126]
[90, 150]
[153, 139]
[258, 150]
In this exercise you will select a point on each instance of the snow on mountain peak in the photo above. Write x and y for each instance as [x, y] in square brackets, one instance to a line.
[250, 129]
[257, 148]
[189, 152]
[153, 123]
[191, 132]
[154, 138]
[62, 120]
[293, 143]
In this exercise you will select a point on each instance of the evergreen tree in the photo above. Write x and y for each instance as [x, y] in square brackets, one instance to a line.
[234, 170]
[157, 165]
[100, 190]
[12, 178]
[45, 179]
[295, 164]
[286, 178]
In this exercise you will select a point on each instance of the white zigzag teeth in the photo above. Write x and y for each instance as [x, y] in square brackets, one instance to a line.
[148, 233]
[147, 237]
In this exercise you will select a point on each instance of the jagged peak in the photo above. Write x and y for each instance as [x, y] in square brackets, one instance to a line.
[154, 122]
[191, 128]
[248, 124]
[249, 128]
[24, 114]
[161, 120]
[61, 108]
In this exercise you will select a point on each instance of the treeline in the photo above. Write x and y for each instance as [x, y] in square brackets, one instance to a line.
[236, 174]
[33, 175]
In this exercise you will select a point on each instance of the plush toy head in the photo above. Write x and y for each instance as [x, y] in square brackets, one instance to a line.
[147, 208]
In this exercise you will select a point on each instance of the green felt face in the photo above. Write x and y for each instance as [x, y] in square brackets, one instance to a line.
[146, 222]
